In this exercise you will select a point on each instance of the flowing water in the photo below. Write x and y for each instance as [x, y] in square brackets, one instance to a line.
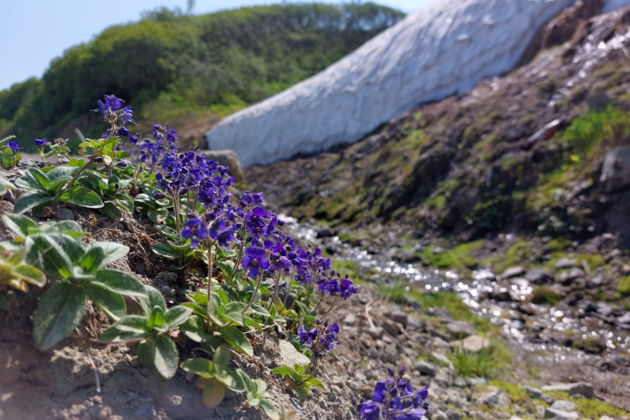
[476, 291]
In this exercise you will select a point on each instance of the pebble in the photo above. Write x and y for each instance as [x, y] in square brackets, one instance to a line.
[552, 413]
[539, 276]
[459, 329]
[426, 368]
[566, 263]
[538, 394]
[515, 271]
[375, 332]
[391, 328]
[491, 396]
[564, 405]
[567, 277]
[398, 317]
[350, 319]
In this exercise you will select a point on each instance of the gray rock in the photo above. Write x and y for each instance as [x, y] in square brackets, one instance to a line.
[616, 169]
[491, 396]
[229, 159]
[459, 329]
[552, 413]
[350, 319]
[375, 332]
[399, 317]
[564, 405]
[515, 271]
[574, 389]
[624, 319]
[473, 382]
[444, 377]
[391, 327]
[426, 368]
[567, 277]
[538, 394]
[289, 356]
[539, 276]
[443, 359]
[64, 214]
[472, 344]
[563, 263]
[596, 281]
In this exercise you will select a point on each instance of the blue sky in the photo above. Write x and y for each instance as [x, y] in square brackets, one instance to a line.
[33, 32]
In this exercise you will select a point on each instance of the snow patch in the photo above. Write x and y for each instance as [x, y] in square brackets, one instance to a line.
[444, 49]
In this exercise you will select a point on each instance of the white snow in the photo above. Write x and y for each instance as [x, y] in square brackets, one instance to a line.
[441, 50]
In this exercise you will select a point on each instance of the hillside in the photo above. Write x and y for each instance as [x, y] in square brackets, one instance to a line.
[182, 69]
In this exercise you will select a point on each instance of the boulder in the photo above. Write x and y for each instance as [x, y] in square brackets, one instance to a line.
[554, 414]
[513, 272]
[564, 405]
[538, 276]
[573, 389]
[229, 159]
[616, 169]
[491, 396]
[472, 344]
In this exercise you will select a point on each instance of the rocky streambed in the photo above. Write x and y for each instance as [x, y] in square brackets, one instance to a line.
[553, 324]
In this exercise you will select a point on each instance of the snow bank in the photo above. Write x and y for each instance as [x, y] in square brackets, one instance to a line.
[441, 50]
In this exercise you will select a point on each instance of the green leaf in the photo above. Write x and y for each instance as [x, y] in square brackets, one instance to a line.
[284, 371]
[269, 410]
[161, 353]
[167, 231]
[20, 225]
[59, 176]
[82, 196]
[112, 251]
[31, 200]
[152, 297]
[33, 179]
[110, 210]
[51, 255]
[156, 319]
[107, 300]
[166, 250]
[122, 283]
[235, 338]
[60, 310]
[92, 259]
[30, 274]
[221, 357]
[200, 366]
[127, 328]
[177, 315]
[65, 227]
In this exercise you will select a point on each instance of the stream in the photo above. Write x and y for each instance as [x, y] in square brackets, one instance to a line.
[535, 328]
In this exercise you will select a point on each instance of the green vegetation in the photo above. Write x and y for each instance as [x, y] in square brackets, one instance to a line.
[545, 296]
[471, 365]
[457, 257]
[516, 392]
[169, 64]
[519, 253]
[591, 408]
[623, 286]
[581, 142]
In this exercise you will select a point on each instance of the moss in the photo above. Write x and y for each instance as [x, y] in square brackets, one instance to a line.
[455, 307]
[457, 257]
[623, 286]
[545, 296]
[347, 268]
[589, 345]
[519, 253]
[591, 408]
[516, 393]
[594, 261]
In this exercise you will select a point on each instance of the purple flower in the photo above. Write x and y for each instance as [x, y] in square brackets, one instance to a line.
[123, 132]
[13, 146]
[395, 399]
[195, 230]
[320, 340]
[255, 259]
[41, 142]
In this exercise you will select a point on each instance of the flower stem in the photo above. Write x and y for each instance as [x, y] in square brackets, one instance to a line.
[251, 301]
[210, 268]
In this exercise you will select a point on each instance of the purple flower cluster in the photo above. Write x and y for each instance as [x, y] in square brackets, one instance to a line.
[14, 146]
[336, 286]
[320, 340]
[395, 399]
[113, 111]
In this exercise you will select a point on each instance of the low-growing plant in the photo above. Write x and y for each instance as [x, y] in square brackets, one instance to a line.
[155, 348]
[298, 379]
[9, 156]
[16, 273]
[53, 185]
